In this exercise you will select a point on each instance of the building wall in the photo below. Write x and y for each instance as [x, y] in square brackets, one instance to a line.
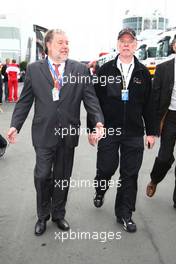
[139, 23]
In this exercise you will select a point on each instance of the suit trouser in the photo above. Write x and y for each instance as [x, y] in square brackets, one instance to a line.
[6, 90]
[129, 152]
[1, 92]
[53, 169]
[13, 85]
[165, 157]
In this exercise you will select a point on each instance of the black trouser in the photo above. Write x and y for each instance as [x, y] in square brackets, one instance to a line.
[53, 168]
[6, 90]
[1, 92]
[165, 157]
[131, 155]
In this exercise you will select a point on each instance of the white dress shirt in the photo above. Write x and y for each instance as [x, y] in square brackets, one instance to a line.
[172, 105]
[126, 70]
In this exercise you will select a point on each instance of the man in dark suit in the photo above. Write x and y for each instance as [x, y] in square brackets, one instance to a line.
[165, 101]
[54, 86]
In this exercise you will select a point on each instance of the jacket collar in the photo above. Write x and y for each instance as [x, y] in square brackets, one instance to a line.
[67, 72]
[171, 71]
[45, 69]
[137, 65]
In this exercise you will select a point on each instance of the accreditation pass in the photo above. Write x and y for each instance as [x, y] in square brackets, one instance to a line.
[55, 94]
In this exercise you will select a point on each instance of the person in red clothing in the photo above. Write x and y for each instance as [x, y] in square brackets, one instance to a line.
[13, 75]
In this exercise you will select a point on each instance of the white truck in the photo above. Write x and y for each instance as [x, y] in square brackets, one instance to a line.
[20, 40]
[164, 46]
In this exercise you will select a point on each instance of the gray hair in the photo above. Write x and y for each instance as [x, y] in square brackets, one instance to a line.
[50, 35]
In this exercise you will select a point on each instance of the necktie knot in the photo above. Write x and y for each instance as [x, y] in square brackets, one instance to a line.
[56, 68]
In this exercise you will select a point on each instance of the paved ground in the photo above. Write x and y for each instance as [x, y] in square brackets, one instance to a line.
[154, 242]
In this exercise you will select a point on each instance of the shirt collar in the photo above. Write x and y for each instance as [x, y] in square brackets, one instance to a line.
[61, 66]
[120, 62]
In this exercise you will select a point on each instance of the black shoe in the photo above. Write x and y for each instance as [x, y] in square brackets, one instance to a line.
[40, 227]
[62, 224]
[127, 223]
[98, 200]
[2, 151]
[174, 205]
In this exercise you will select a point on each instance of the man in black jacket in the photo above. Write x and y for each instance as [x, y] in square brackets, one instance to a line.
[124, 92]
[165, 100]
[5, 79]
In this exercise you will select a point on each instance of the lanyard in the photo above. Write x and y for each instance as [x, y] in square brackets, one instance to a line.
[54, 74]
[124, 79]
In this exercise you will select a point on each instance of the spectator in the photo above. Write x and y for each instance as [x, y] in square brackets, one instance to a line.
[5, 78]
[13, 72]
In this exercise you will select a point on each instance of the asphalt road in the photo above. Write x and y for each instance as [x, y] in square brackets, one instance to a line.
[105, 241]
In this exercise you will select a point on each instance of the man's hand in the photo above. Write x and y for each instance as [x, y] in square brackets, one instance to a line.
[11, 135]
[150, 141]
[95, 136]
[99, 130]
[92, 139]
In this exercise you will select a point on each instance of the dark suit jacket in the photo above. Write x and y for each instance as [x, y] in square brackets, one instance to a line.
[51, 116]
[162, 86]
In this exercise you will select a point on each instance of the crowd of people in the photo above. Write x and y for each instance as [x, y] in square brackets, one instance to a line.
[9, 75]
[123, 99]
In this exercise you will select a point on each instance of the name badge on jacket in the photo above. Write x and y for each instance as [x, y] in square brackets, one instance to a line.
[55, 94]
[125, 94]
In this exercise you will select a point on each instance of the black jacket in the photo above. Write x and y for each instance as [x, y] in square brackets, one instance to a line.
[3, 72]
[0, 80]
[136, 113]
[162, 86]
